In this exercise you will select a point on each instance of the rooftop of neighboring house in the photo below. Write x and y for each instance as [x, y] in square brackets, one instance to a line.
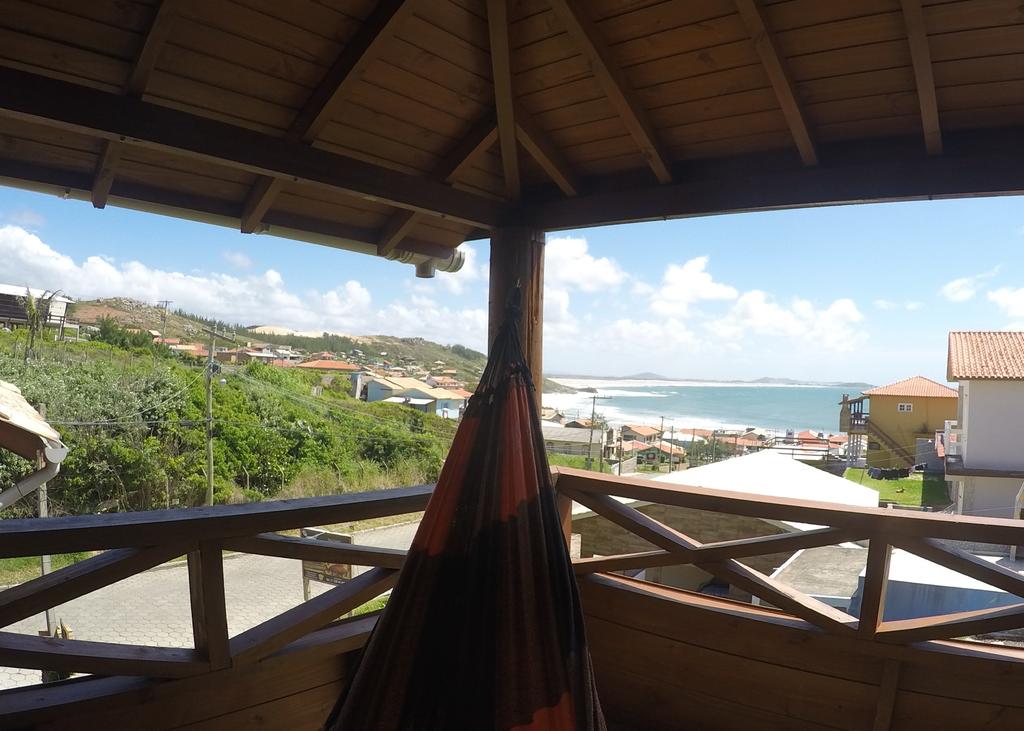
[555, 433]
[18, 290]
[395, 383]
[461, 392]
[579, 423]
[918, 386]
[985, 355]
[328, 365]
[644, 431]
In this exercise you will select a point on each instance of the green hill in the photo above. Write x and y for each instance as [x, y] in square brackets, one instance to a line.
[133, 419]
[467, 363]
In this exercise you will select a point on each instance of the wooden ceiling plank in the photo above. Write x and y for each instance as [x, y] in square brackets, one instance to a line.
[541, 148]
[497, 25]
[142, 69]
[923, 75]
[54, 103]
[778, 74]
[348, 68]
[588, 39]
[478, 140]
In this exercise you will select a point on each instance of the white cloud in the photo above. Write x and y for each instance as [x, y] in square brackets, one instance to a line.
[238, 259]
[686, 284]
[248, 300]
[909, 305]
[964, 288]
[24, 217]
[568, 265]
[1009, 300]
[755, 313]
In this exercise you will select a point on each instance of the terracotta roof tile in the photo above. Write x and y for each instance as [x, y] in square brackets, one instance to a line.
[995, 355]
[916, 386]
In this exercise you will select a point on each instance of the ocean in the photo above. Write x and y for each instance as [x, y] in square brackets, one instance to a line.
[704, 405]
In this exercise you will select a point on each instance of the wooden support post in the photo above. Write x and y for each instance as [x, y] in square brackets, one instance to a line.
[517, 258]
[887, 691]
[209, 612]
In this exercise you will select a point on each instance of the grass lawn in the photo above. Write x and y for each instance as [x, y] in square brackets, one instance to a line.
[916, 490]
[21, 569]
[371, 606]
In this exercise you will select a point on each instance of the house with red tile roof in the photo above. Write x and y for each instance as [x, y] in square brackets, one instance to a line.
[983, 455]
[897, 416]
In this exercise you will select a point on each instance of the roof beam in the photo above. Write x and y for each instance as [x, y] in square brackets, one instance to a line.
[160, 201]
[588, 39]
[378, 28]
[785, 91]
[501, 70]
[64, 105]
[544, 151]
[145, 62]
[923, 76]
[479, 139]
[983, 162]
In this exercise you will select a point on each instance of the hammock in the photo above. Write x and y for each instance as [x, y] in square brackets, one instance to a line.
[484, 628]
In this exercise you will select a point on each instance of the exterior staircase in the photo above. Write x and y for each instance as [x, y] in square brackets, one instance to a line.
[906, 457]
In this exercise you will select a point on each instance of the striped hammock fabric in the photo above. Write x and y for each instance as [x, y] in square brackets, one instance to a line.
[484, 628]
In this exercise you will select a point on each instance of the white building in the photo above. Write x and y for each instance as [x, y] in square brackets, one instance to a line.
[983, 449]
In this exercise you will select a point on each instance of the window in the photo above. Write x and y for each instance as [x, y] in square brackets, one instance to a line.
[905, 408]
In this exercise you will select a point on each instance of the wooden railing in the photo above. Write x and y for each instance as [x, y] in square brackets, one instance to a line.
[135, 542]
[929, 536]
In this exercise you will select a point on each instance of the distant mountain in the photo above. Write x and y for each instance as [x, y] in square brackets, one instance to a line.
[764, 381]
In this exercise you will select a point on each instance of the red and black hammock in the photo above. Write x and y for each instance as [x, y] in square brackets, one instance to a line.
[484, 628]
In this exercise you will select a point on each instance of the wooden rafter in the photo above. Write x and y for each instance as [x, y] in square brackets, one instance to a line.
[548, 156]
[479, 139]
[993, 166]
[774, 66]
[588, 39]
[65, 105]
[922, 59]
[348, 68]
[142, 69]
[504, 101]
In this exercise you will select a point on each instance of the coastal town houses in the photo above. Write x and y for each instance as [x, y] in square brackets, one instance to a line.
[895, 417]
[983, 447]
[446, 403]
[641, 433]
[575, 442]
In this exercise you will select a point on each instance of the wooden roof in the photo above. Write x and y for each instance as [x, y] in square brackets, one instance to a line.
[409, 126]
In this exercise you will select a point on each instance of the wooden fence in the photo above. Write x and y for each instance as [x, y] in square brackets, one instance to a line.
[134, 542]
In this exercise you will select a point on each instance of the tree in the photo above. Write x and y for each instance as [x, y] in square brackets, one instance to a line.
[37, 311]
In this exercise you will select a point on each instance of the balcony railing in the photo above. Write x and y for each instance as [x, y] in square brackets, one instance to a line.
[954, 440]
[135, 542]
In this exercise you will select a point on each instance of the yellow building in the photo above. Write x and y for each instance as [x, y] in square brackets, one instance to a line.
[899, 414]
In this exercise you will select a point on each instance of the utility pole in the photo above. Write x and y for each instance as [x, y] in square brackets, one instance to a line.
[590, 440]
[164, 304]
[45, 566]
[671, 447]
[209, 408]
[620, 452]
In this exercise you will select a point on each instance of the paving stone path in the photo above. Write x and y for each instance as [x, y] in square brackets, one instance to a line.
[152, 608]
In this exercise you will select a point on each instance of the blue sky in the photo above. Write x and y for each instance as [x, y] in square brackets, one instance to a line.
[845, 293]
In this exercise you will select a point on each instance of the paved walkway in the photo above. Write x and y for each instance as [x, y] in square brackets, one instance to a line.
[152, 608]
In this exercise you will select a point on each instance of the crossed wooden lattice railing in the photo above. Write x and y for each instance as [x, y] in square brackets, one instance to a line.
[132, 543]
[926, 535]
